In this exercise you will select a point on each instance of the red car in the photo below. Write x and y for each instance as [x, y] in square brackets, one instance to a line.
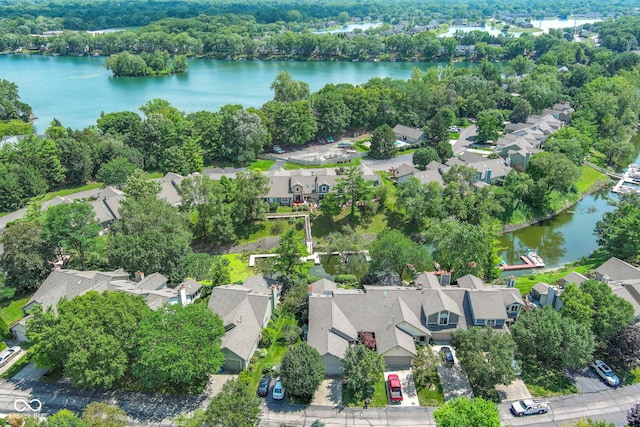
[395, 388]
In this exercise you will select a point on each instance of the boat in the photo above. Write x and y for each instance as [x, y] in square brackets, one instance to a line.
[534, 258]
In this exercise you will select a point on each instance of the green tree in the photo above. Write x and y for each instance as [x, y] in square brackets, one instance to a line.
[235, 406]
[444, 150]
[362, 369]
[332, 114]
[291, 123]
[75, 159]
[486, 356]
[353, 188]
[64, 418]
[97, 414]
[419, 201]
[633, 416]
[489, 125]
[119, 123]
[423, 156]
[618, 232]
[552, 340]
[93, 336]
[624, 348]
[11, 108]
[25, 256]
[521, 111]
[116, 172]
[178, 346]
[611, 313]
[73, 227]
[588, 422]
[425, 368]
[393, 251]
[463, 411]
[243, 136]
[302, 371]
[248, 205]
[330, 205]
[288, 90]
[382, 143]
[289, 251]
[126, 64]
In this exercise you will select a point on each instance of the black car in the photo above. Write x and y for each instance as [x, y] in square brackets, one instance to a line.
[263, 387]
[447, 355]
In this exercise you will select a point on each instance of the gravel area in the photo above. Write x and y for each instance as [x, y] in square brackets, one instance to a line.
[260, 246]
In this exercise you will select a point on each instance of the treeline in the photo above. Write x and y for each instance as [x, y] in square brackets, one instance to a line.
[35, 17]
[146, 64]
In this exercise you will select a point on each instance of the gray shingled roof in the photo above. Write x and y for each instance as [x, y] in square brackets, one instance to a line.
[471, 282]
[407, 131]
[541, 288]
[617, 270]
[322, 285]
[487, 304]
[574, 277]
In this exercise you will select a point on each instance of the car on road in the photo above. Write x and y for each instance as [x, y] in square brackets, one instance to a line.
[447, 355]
[454, 129]
[278, 391]
[277, 149]
[529, 407]
[606, 373]
[8, 354]
[395, 388]
[263, 387]
[344, 144]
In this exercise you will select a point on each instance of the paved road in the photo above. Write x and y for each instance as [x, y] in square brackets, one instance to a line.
[466, 139]
[154, 410]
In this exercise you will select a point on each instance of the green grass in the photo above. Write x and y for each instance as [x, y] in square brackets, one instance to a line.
[589, 178]
[261, 165]
[583, 266]
[630, 377]
[295, 166]
[434, 397]
[72, 190]
[238, 267]
[378, 400]
[274, 354]
[543, 382]
[11, 311]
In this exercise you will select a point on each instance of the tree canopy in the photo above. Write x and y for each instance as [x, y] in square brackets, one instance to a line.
[301, 371]
[463, 411]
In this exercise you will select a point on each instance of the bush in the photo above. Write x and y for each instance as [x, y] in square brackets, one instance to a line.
[346, 279]
[273, 206]
[291, 334]
[267, 337]
[277, 229]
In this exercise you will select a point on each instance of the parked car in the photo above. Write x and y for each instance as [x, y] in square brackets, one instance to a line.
[263, 387]
[454, 129]
[8, 354]
[395, 388]
[517, 371]
[278, 391]
[529, 407]
[606, 373]
[447, 355]
[344, 144]
[277, 149]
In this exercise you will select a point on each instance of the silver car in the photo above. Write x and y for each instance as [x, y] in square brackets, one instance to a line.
[8, 354]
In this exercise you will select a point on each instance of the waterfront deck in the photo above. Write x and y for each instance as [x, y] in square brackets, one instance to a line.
[629, 182]
[527, 265]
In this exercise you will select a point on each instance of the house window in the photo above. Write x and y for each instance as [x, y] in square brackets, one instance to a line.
[514, 308]
[324, 188]
[443, 319]
[490, 322]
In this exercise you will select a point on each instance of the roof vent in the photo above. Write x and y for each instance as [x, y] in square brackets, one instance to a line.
[419, 287]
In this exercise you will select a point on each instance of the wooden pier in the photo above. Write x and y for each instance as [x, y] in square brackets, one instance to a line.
[527, 265]
[629, 182]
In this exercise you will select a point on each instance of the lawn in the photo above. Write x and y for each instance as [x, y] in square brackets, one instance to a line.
[525, 283]
[261, 165]
[378, 400]
[11, 311]
[588, 178]
[543, 382]
[295, 166]
[239, 268]
[431, 397]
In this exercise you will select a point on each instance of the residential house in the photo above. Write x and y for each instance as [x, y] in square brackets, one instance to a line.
[624, 280]
[68, 284]
[245, 310]
[106, 205]
[408, 134]
[401, 317]
[405, 171]
[573, 277]
[306, 185]
[543, 294]
[490, 171]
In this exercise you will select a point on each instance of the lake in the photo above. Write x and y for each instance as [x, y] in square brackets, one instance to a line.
[543, 25]
[76, 89]
[351, 27]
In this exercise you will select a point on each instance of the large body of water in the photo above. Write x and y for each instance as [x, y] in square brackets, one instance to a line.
[76, 89]
[543, 26]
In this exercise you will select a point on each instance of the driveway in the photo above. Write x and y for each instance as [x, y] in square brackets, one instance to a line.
[517, 390]
[409, 393]
[329, 393]
[465, 140]
[587, 381]
[29, 372]
[453, 380]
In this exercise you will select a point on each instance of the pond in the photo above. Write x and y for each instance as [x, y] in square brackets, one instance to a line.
[350, 27]
[333, 265]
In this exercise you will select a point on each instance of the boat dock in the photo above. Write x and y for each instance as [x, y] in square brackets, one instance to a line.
[527, 265]
[630, 181]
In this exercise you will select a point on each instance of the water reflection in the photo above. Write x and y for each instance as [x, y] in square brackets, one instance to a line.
[332, 265]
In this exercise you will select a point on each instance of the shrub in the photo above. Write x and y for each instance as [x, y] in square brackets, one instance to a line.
[267, 337]
[277, 229]
[291, 334]
[346, 279]
[273, 206]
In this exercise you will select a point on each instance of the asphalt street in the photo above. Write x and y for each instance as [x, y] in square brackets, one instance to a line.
[156, 410]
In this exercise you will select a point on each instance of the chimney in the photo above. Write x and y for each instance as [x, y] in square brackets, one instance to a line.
[511, 282]
[487, 176]
[183, 295]
[139, 276]
[445, 279]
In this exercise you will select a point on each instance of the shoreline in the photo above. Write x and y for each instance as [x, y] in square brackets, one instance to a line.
[598, 185]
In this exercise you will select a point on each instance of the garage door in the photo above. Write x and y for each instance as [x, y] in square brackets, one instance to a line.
[398, 362]
[332, 366]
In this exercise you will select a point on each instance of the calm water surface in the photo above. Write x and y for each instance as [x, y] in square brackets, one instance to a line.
[544, 25]
[76, 89]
